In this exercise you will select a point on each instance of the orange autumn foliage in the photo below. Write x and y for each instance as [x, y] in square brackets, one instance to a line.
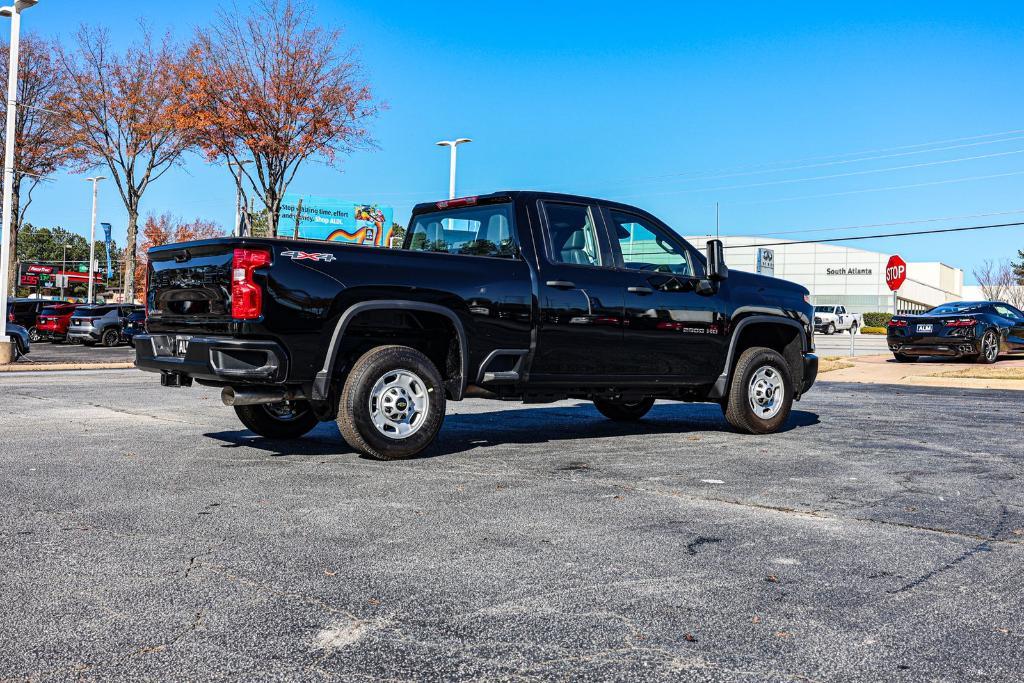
[120, 110]
[272, 88]
[168, 229]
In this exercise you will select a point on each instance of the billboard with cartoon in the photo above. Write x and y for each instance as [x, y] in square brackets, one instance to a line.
[337, 220]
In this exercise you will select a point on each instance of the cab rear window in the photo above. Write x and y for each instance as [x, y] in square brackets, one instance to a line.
[472, 231]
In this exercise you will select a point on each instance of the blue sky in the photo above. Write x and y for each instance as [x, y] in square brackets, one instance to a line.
[669, 106]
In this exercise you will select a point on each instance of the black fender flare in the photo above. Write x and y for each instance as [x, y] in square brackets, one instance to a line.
[322, 380]
[721, 385]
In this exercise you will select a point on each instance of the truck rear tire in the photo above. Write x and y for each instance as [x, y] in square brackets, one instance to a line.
[624, 411]
[760, 393]
[392, 404]
[286, 420]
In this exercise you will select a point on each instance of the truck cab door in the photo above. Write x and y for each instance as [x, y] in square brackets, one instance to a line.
[580, 328]
[672, 332]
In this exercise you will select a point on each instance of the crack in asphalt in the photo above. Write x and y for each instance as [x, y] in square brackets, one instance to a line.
[984, 547]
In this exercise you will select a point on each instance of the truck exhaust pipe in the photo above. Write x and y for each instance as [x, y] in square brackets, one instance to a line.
[252, 397]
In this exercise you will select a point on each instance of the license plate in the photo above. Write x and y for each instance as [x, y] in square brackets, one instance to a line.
[180, 347]
[924, 328]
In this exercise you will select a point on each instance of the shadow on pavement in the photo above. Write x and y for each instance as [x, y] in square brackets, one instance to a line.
[465, 431]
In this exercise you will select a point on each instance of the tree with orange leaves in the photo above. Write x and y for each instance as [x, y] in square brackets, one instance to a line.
[273, 89]
[40, 132]
[120, 110]
[168, 229]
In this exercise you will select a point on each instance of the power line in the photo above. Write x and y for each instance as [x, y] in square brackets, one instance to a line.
[773, 233]
[831, 176]
[754, 168]
[880, 189]
[669, 178]
[879, 236]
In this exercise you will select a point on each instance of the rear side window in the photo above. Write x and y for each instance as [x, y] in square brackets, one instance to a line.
[572, 235]
[472, 231]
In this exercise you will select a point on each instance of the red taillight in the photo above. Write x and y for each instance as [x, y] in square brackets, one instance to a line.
[963, 322]
[10, 316]
[897, 323]
[455, 203]
[246, 296]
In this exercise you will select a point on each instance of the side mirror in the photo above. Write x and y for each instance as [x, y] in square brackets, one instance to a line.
[705, 287]
[717, 270]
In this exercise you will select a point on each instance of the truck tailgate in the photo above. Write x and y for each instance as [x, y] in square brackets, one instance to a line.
[190, 287]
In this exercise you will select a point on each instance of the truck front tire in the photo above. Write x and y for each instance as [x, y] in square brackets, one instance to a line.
[286, 420]
[760, 393]
[624, 411]
[392, 404]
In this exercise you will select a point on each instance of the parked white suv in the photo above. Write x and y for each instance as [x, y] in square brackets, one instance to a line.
[832, 319]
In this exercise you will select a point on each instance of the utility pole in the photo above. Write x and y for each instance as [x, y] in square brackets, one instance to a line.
[7, 229]
[452, 144]
[92, 232]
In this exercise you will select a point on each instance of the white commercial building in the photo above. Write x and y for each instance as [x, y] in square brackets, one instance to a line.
[846, 276]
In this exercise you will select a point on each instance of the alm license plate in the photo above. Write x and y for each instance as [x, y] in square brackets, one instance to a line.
[181, 347]
[924, 328]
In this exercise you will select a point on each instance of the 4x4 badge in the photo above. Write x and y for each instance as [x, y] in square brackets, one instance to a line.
[307, 256]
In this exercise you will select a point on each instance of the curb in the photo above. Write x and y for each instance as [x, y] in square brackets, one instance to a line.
[47, 367]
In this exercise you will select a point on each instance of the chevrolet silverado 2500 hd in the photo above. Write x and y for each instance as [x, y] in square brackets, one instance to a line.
[515, 295]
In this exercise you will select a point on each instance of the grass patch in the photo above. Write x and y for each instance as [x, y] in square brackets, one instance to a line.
[873, 330]
[985, 372]
[830, 363]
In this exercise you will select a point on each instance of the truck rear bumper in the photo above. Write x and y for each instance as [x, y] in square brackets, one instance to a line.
[215, 359]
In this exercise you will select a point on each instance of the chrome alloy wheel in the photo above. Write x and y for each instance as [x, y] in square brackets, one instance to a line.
[399, 404]
[766, 392]
[990, 346]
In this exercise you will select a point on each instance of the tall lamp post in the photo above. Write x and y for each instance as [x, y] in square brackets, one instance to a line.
[6, 230]
[92, 232]
[451, 168]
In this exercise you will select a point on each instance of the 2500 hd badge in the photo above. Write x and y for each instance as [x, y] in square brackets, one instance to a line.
[513, 295]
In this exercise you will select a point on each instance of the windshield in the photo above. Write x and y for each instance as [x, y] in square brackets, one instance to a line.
[54, 310]
[473, 231]
[824, 309]
[961, 307]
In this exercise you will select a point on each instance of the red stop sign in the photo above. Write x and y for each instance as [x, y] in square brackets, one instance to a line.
[895, 272]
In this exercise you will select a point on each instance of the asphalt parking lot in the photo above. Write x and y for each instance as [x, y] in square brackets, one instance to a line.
[48, 352]
[148, 535]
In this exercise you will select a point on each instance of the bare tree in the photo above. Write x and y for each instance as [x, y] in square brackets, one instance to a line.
[999, 282]
[121, 114]
[994, 278]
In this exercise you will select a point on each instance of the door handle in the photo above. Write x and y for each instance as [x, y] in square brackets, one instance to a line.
[561, 284]
[640, 290]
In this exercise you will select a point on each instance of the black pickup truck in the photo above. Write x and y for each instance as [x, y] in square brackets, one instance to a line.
[526, 296]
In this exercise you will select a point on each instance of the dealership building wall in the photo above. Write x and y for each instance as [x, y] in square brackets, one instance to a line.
[847, 276]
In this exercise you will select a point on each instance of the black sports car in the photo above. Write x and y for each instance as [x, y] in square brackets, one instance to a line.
[977, 330]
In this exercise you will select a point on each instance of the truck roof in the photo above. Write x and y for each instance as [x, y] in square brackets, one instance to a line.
[510, 195]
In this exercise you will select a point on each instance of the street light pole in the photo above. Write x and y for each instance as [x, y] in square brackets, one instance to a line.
[238, 194]
[92, 232]
[7, 228]
[452, 144]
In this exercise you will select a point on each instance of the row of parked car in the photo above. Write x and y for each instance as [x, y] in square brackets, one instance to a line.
[89, 324]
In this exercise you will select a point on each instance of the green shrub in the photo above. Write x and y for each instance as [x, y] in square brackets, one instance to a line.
[873, 330]
[877, 319]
